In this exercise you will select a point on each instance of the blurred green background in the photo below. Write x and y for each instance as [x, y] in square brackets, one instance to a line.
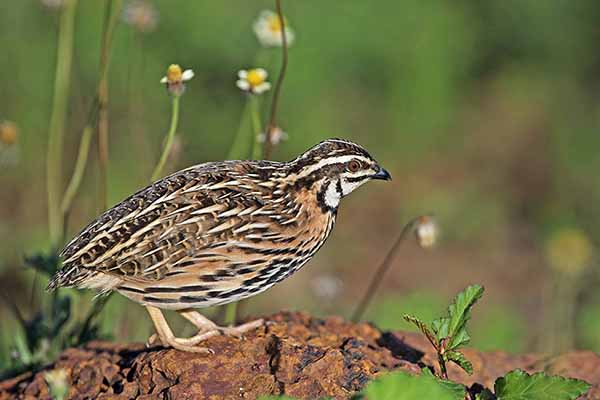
[487, 114]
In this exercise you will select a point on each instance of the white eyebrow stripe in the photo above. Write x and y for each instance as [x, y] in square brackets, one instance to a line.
[329, 161]
[307, 153]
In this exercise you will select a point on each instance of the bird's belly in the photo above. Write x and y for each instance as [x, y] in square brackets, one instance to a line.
[211, 294]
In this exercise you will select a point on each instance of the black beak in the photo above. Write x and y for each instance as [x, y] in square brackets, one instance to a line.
[383, 175]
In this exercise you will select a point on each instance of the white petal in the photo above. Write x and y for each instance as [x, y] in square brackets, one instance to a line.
[242, 84]
[164, 79]
[242, 74]
[264, 14]
[263, 87]
[289, 36]
[262, 73]
[187, 75]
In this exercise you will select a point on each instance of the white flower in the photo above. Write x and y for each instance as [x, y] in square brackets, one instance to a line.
[267, 28]
[277, 136]
[141, 14]
[253, 81]
[326, 286]
[175, 79]
[426, 232]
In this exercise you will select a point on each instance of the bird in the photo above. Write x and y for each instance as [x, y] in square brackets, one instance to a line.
[215, 233]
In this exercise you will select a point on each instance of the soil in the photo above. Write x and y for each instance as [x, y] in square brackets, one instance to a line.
[293, 354]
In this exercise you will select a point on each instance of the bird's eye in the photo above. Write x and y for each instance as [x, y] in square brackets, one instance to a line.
[353, 166]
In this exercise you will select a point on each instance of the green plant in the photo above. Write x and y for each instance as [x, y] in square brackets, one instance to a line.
[448, 334]
[52, 329]
[518, 385]
[404, 386]
[49, 331]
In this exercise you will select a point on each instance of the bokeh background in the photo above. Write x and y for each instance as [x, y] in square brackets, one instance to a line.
[486, 113]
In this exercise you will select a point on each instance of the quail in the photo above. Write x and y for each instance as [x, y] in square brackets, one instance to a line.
[215, 233]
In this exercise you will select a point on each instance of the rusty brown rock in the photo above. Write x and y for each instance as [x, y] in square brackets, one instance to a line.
[295, 354]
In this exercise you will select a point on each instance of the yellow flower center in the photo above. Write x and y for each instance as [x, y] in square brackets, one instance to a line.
[255, 78]
[274, 23]
[174, 73]
[8, 133]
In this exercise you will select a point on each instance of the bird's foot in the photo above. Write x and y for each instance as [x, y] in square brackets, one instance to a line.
[183, 344]
[205, 325]
[238, 331]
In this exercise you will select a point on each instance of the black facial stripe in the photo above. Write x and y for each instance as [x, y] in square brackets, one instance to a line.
[338, 187]
[321, 201]
[357, 178]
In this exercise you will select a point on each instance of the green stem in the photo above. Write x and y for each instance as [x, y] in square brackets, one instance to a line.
[241, 149]
[110, 20]
[82, 156]
[231, 313]
[277, 90]
[170, 136]
[238, 150]
[443, 370]
[256, 127]
[64, 56]
[382, 269]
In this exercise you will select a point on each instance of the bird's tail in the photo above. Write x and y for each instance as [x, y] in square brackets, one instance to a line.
[68, 276]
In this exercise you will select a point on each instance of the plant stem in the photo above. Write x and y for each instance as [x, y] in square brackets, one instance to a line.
[64, 55]
[443, 370]
[276, 92]
[98, 118]
[256, 126]
[110, 19]
[169, 141]
[82, 156]
[239, 145]
[231, 313]
[383, 268]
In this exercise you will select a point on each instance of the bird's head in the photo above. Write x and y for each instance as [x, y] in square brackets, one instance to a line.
[334, 168]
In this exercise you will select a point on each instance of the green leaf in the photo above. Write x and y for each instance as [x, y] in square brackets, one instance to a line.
[485, 395]
[453, 326]
[519, 385]
[423, 328]
[403, 386]
[457, 389]
[45, 263]
[459, 359]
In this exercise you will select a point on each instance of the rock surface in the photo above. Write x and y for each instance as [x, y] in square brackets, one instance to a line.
[294, 354]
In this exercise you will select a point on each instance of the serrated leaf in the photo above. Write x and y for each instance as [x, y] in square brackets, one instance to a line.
[519, 385]
[423, 328]
[403, 386]
[453, 326]
[459, 359]
[457, 389]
